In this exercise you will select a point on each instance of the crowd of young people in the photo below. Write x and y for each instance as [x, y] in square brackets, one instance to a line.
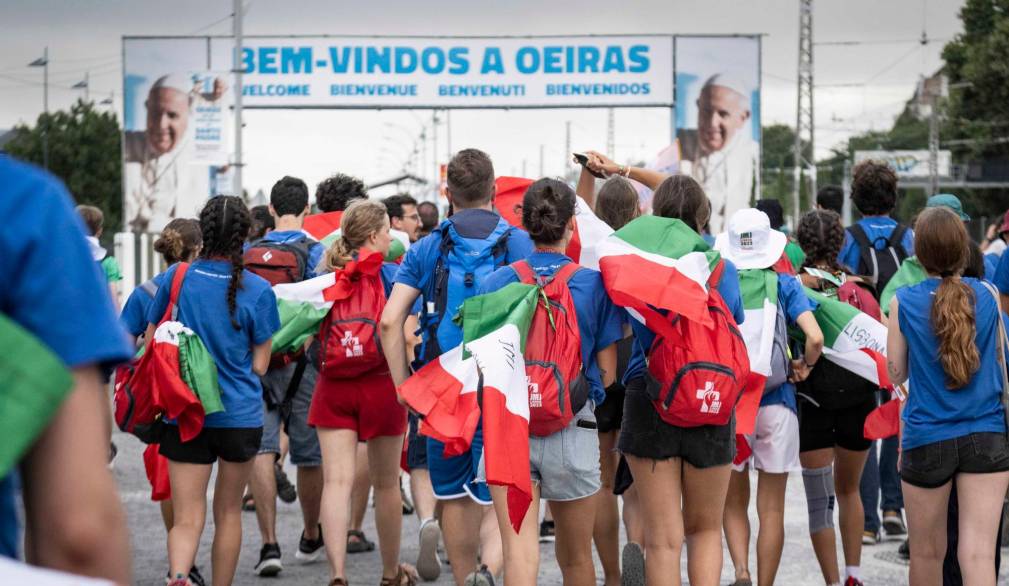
[348, 432]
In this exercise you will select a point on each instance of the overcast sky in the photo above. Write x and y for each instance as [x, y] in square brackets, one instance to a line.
[860, 87]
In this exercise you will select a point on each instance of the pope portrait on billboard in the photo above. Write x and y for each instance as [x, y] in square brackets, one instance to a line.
[718, 124]
[162, 179]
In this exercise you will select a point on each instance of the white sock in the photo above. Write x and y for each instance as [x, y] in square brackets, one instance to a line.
[852, 572]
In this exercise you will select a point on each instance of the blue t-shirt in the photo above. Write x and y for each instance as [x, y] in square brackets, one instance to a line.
[203, 307]
[315, 251]
[134, 314]
[794, 302]
[878, 229]
[1001, 278]
[990, 267]
[728, 288]
[934, 413]
[600, 324]
[419, 263]
[52, 287]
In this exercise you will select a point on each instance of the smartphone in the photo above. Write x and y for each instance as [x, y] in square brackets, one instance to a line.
[583, 160]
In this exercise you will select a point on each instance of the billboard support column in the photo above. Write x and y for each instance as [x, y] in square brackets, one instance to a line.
[239, 16]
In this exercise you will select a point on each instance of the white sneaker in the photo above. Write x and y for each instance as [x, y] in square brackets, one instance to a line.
[428, 564]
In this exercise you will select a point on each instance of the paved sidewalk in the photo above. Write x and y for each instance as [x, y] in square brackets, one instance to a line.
[880, 565]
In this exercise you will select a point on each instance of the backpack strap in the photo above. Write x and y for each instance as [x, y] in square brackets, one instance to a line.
[171, 311]
[858, 233]
[715, 278]
[896, 239]
[149, 287]
[524, 271]
[567, 271]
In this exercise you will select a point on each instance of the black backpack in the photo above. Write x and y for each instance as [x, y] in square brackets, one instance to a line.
[878, 266]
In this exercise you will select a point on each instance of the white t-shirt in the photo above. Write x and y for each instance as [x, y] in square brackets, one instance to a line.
[996, 247]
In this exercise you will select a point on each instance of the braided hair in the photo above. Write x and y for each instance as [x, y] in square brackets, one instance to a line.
[821, 236]
[225, 223]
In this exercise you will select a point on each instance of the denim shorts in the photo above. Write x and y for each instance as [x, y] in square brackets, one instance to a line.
[304, 442]
[565, 464]
[933, 465]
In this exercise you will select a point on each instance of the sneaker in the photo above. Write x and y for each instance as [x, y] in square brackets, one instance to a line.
[428, 563]
[310, 550]
[196, 578]
[633, 562]
[285, 490]
[481, 577]
[893, 522]
[407, 503]
[904, 551]
[269, 561]
[852, 581]
[870, 537]
[113, 450]
[547, 532]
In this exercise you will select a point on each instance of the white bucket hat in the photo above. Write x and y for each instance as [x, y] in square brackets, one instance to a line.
[750, 243]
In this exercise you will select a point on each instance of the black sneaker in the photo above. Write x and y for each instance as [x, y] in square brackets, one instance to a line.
[547, 532]
[904, 551]
[269, 561]
[196, 578]
[285, 490]
[481, 577]
[310, 550]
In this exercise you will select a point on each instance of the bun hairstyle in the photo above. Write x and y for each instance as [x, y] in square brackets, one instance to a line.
[179, 241]
[225, 223]
[943, 248]
[617, 202]
[683, 198]
[360, 220]
[821, 236]
[547, 207]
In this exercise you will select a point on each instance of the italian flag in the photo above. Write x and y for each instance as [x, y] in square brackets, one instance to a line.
[589, 229]
[484, 379]
[318, 226]
[658, 263]
[400, 243]
[303, 305]
[851, 338]
[759, 290]
[910, 273]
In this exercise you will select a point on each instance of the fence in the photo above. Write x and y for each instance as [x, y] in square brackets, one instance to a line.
[137, 259]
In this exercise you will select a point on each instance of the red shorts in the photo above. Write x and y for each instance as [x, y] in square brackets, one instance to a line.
[366, 404]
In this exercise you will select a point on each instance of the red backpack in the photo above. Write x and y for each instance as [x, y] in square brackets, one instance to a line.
[137, 407]
[558, 388]
[696, 373]
[278, 262]
[350, 344]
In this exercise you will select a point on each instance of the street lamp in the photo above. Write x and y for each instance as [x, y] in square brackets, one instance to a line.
[83, 85]
[43, 62]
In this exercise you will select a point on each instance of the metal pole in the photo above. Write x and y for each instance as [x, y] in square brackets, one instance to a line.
[567, 148]
[541, 161]
[45, 108]
[87, 86]
[434, 152]
[237, 21]
[448, 133]
[933, 145]
[846, 187]
[804, 106]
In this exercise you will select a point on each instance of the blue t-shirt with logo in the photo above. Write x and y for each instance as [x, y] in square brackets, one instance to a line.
[728, 288]
[419, 263]
[134, 314]
[600, 324]
[934, 413]
[794, 302]
[52, 287]
[203, 307]
[878, 229]
[315, 250]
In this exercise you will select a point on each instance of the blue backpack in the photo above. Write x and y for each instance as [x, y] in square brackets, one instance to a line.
[462, 264]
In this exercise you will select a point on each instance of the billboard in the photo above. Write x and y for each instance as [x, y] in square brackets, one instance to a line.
[718, 120]
[909, 164]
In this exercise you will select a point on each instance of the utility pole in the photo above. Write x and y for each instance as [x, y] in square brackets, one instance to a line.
[804, 108]
[238, 17]
[434, 151]
[611, 145]
[44, 64]
[567, 148]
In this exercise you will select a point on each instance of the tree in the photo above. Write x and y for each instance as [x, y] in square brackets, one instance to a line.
[84, 151]
[777, 164]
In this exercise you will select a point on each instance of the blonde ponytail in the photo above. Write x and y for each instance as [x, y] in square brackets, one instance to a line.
[360, 220]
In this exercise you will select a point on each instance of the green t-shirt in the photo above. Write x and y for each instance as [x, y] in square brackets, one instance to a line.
[795, 254]
[111, 269]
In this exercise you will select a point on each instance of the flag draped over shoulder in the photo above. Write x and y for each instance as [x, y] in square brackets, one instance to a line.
[490, 360]
[759, 290]
[589, 229]
[658, 263]
[851, 339]
[319, 226]
[35, 382]
[910, 273]
[302, 306]
[397, 248]
[175, 398]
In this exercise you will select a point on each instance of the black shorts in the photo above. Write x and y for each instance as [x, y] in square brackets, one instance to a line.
[825, 428]
[416, 445]
[933, 465]
[231, 444]
[644, 434]
[610, 413]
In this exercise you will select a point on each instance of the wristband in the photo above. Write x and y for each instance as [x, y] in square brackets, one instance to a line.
[808, 365]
